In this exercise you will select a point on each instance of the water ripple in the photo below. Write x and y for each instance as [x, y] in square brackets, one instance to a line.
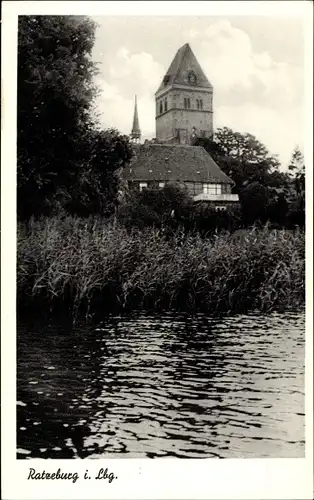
[169, 386]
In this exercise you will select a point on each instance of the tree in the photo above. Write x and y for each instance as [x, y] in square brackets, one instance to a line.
[263, 189]
[103, 154]
[243, 158]
[55, 95]
[297, 193]
[254, 202]
[297, 170]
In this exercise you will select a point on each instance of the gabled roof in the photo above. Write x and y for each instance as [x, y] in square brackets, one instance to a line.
[176, 163]
[184, 62]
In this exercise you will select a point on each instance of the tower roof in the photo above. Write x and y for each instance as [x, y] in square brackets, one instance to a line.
[136, 131]
[184, 62]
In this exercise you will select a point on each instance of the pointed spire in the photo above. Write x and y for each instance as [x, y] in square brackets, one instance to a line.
[136, 131]
[183, 66]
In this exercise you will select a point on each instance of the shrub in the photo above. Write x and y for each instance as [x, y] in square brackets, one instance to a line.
[170, 207]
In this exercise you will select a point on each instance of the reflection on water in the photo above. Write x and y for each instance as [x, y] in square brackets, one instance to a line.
[163, 386]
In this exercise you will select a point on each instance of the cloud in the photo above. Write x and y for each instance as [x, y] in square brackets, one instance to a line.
[227, 56]
[280, 132]
[135, 73]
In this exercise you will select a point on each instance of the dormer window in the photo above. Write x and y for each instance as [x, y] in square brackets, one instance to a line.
[166, 79]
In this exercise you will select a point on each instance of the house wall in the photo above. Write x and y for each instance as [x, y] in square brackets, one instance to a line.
[193, 188]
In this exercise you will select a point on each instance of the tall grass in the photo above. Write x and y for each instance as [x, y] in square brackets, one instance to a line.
[74, 266]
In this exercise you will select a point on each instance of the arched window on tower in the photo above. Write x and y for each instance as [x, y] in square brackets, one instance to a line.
[166, 104]
[187, 103]
[160, 107]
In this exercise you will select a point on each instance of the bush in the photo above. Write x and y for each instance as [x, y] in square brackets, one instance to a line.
[170, 207]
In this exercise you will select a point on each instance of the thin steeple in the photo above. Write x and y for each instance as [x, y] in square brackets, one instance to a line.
[136, 131]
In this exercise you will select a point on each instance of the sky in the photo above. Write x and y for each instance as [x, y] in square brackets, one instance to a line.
[255, 64]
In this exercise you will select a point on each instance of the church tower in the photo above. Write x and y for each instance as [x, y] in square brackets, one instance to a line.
[184, 101]
[136, 131]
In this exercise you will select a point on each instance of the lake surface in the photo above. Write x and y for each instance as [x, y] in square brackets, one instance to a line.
[163, 386]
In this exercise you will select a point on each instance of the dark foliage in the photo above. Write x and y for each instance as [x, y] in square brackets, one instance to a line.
[63, 160]
[265, 192]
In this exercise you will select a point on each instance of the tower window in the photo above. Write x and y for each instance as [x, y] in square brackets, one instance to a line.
[187, 103]
[166, 104]
[199, 104]
[160, 107]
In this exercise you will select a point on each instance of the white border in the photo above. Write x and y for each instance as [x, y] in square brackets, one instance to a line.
[142, 479]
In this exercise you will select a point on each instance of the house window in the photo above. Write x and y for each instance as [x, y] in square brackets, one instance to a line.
[166, 104]
[198, 188]
[160, 107]
[209, 188]
[143, 185]
[187, 103]
[226, 188]
[197, 103]
[161, 185]
[200, 104]
[157, 106]
[203, 133]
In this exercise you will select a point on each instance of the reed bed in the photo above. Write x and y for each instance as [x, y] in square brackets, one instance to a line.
[89, 266]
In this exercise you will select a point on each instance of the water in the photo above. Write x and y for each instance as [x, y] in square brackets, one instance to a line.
[163, 386]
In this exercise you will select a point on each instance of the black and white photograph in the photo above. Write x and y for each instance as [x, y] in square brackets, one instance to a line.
[160, 238]
[161, 196]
